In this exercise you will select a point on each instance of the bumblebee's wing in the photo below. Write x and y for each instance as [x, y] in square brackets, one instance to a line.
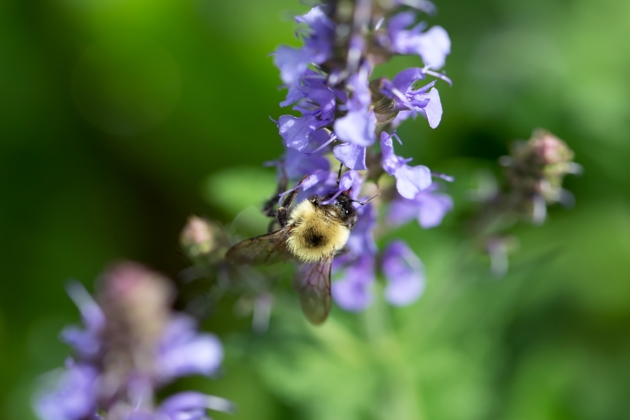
[261, 250]
[312, 282]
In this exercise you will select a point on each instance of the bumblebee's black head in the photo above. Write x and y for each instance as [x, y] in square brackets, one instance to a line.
[340, 208]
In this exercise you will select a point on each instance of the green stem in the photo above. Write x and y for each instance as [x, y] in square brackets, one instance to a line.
[399, 395]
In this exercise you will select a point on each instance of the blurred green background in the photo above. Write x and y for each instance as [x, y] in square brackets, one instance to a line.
[114, 113]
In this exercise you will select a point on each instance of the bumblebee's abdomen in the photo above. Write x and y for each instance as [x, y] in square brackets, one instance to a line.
[313, 237]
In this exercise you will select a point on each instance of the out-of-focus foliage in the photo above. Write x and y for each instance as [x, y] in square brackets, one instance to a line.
[114, 115]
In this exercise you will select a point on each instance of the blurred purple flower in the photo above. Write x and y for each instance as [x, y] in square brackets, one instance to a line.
[131, 345]
[361, 240]
[428, 206]
[354, 291]
[404, 273]
[183, 351]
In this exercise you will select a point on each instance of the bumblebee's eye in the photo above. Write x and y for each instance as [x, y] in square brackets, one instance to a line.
[346, 211]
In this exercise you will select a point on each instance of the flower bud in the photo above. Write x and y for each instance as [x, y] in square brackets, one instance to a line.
[198, 238]
[535, 171]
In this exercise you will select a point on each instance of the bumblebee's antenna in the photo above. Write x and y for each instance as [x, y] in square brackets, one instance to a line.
[363, 203]
[339, 173]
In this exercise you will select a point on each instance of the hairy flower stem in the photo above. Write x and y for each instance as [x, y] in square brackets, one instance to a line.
[399, 396]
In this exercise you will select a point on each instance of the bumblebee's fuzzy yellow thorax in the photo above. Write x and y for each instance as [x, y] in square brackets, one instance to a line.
[316, 232]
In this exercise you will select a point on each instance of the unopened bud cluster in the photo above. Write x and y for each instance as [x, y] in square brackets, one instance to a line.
[535, 170]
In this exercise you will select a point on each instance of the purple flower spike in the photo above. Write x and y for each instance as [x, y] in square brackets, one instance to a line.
[428, 207]
[410, 180]
[354, 291]
[404, 272]
[136, 345]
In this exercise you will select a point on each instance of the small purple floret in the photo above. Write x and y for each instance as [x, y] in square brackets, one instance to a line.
[404, 272]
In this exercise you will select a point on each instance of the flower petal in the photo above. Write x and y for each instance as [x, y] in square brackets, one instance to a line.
[351, 155]
[184, 352]
[410, 180]
[433, 110]
[357, 127]
[354, 291]
[404, 272]
[296, 131]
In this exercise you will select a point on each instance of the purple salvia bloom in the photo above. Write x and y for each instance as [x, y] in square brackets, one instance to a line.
[409, 179]
[298, 164]
[293, 62]
[361, 240]
[432, 46]
[404, 273]
[318, 110]
[73, 396]
[351, 155]
[310, 80]
[428, 207]
[422, 100]
[358, 125]
[354, 291]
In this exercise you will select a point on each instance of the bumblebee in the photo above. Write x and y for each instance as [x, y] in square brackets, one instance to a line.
[312, 232]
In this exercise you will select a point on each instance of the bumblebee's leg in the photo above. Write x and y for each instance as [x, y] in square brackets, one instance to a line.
[269, 206]
[342, 251]
[282, 215]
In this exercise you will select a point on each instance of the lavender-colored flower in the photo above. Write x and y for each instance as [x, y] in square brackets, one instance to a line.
[358, 125]
[404, 272]
[410, 180]
[428, 206]
[361, 239]
[318, 110]
[354, 291]
[351, 155]
[432, 46]
[131, 345]
[317, 48]
[417, 101]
